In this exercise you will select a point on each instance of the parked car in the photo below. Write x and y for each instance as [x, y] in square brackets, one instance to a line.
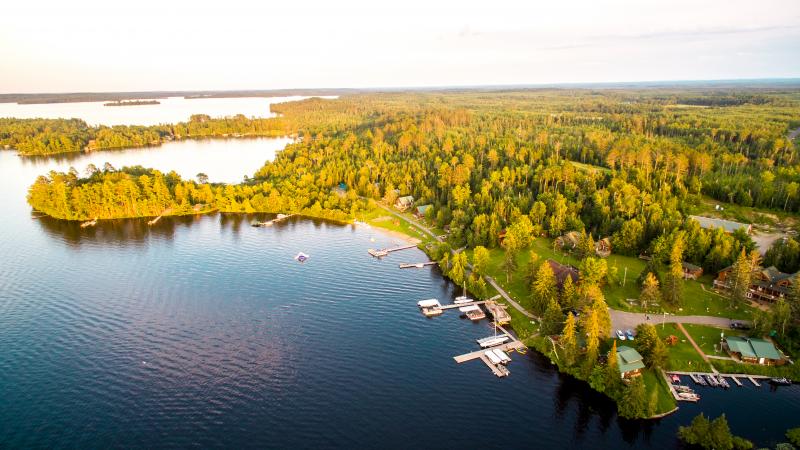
[629, 334]
[740, 326]
[620, 335]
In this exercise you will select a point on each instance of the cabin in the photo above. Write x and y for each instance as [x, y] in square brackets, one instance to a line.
[629, 362]
[691, 271]
[768, 284]
[403, 203]
[568, 241]
[753, 351]
[729, 226]
[603, 247]
[562, 271]
[421, 210]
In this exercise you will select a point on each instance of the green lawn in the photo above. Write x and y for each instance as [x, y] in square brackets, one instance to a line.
[697, 299]
[682, 356]
[705, 206]
[657, 392]
[382, 219]
[707, 337]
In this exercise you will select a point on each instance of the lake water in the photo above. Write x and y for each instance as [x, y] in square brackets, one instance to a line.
[170, 110]
[203, 331]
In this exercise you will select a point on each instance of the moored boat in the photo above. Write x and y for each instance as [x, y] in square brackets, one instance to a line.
[780, 381]
[492, 341]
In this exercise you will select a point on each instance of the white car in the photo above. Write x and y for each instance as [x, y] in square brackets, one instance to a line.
[620, 335]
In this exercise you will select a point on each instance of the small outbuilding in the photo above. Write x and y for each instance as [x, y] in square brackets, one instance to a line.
[691, 271]
[421, 210]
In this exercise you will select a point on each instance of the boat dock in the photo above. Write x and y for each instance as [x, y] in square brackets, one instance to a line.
[268, 223]
[459, 305]
[89, 223]
[378, 253]
[719, 378]
[508, 346]
[497, 311]
[416, 265]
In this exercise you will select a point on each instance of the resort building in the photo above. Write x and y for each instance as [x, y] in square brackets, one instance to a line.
[753, 350]
[728, 226]
[629, 362]
[768, 284]
[403, 203]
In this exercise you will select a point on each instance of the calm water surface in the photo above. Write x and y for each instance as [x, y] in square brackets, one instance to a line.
[205, 332]
[170, 110]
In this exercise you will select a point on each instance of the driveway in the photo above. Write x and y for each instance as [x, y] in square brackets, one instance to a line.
[621, 320]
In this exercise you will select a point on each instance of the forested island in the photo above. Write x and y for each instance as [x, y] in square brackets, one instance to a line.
[507, 174]
[132, 103]
[31, 137]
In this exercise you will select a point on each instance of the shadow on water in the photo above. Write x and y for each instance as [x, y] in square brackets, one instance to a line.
[137, 231]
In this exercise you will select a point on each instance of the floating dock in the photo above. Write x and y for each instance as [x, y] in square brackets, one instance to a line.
[378, 253]
[89, 223]
[416, 265]
[497, 311]
[719, 378]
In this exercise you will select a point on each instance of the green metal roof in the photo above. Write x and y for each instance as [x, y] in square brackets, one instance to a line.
[423, 208]
[752, 347]
[628, 359]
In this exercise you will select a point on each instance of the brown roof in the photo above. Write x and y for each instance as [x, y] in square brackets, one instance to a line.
[562, 271]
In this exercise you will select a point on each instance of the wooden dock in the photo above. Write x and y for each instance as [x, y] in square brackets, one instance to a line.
[498, 369]
[418, 265]
[513, 345]
[280, 218]
[497, 311]
[695, 376]
[460, 305]
[378, 253]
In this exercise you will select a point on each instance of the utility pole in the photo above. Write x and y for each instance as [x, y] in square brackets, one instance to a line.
[625, 277]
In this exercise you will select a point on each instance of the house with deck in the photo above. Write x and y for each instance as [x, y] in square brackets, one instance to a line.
[768, 284]
[691, 271]
[403, 203]
[629, 362]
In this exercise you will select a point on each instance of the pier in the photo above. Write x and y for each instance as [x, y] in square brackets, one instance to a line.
[698, 377]
[385, 251]
[269, 223]
[417, 265]
[88, 223]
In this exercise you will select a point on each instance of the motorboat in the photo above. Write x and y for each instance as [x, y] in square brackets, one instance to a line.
[780, 381]
[301, 257]
[492, 341]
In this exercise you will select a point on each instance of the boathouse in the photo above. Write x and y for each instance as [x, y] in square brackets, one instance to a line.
[754, 350]
[629, 362]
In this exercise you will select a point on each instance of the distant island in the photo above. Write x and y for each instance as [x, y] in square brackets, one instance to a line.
[132, 103]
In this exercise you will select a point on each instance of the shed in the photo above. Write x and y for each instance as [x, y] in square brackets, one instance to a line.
[691, 271]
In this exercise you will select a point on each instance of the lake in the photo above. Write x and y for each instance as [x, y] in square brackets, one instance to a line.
[170, 110]
[203, 331]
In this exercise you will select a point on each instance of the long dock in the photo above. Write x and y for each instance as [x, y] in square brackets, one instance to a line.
[461, 305]
[417, 265]
[280, 218]
[385, 251]
[695, 376]
[513, 345]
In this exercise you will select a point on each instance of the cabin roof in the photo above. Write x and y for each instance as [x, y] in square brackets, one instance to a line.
[712, 223]
[628, 359]
[752, 347]
[422, 208]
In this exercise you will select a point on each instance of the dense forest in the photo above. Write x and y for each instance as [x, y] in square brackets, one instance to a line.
[618, 164]
[52, 136]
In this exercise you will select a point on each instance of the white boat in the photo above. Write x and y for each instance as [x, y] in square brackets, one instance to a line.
[504, 358]
[429, 303]
[461, 299]
[468, 308]
[493, 357]
[302, 257]
[491, 341]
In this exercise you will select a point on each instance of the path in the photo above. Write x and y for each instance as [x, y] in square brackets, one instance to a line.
[491, 280]
[696, 347]
[793, 134]
[622, 320]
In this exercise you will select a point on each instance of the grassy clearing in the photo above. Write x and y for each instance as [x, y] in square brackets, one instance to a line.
[382, 219]
[706, 206]
[590, 168]
[791, 371]
[657, 393]
[682, 356]
[698, 297]
[707, 337]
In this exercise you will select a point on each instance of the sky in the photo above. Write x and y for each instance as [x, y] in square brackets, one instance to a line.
[109, 45]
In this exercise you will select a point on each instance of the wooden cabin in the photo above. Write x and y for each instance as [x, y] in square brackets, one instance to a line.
[629, 362]
[754, 351]
[403, 203]
[562, 271]
[603, 247]
[691, 271]
[768, 284]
